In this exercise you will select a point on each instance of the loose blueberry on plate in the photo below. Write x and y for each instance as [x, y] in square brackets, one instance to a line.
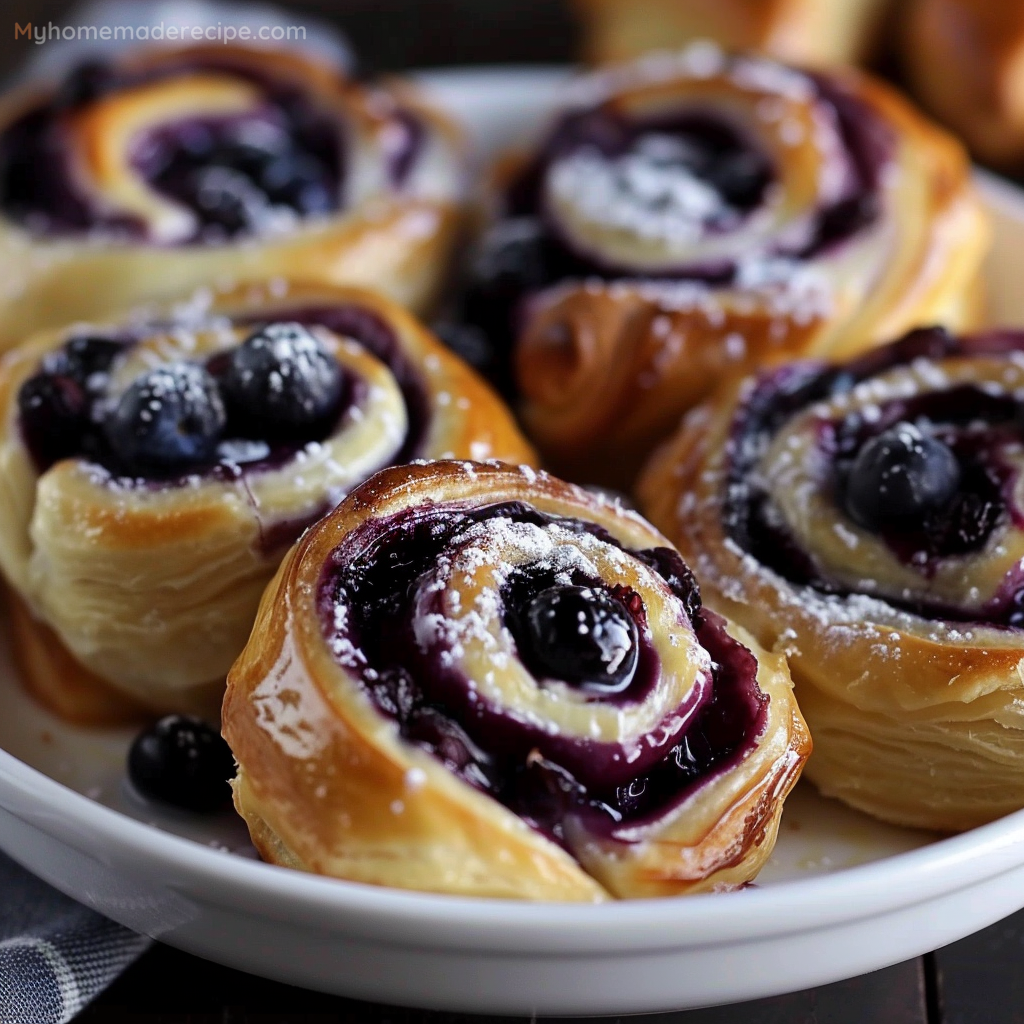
[169, 420]
[282, 383]
[582, 635]
[182, 761]
[900, 476]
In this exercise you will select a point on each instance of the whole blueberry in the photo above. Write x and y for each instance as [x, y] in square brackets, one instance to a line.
[901, 475]
[282, 383]
[227, 200]
[184, 762]
[54, 416]
[511, 259]
[85, 357]
[299, 181]
[168, 420]
[584, 636]
[470, 343]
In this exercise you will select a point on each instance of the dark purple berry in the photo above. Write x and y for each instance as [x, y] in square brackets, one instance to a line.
[584, 636]
[282, 383]
[227, 200]
[169, 420]
[84, 358]
[669, 565]
[182, 761]
[469, 343]
[511, 260]
[54, 416]
[300, 182]
[900, 476]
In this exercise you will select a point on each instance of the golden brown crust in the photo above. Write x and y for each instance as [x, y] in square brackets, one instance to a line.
[327, 785]
[913, 721]
[606, 368]
[983, 98]
[396, 244]
[821, 32]
[154, 589]
[60, 683]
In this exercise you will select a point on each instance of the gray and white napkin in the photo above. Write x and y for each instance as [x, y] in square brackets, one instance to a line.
[55, 954]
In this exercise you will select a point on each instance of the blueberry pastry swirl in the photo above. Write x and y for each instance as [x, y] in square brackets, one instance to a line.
[868, 518]
[477, 679]
[696, 213]
[153, 471]
[165, 170]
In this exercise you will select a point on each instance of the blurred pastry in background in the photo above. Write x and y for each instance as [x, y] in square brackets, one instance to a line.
[697, 214]
[141, 179]
[821, 32]
[965, 61]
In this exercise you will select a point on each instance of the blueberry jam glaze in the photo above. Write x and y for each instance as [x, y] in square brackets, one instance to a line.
[238, 175]
[546, 778]
[64, 411]
[529, 250]
[974, 423]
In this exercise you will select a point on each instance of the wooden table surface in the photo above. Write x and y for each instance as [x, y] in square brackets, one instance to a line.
[976, 981]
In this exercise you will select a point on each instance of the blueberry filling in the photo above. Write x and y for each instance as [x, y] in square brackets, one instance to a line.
[924, 474]
[183, 762]
[544, 778]
[234, 174]
[252, 406]
[529, 250]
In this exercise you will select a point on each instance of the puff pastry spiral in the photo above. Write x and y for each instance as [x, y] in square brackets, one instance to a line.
[477, 679]
[154, 470]
[170, 169]
[696, 214]
[866, 518]
[982, 99]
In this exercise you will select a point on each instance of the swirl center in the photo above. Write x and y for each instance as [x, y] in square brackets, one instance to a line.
[584, 636]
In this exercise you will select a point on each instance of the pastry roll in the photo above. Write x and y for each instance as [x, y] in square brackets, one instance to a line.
[866, 519]
[803, 31]
[965, 62]
[154, 470]
[171, 169]
[477, 679]
[697, 214]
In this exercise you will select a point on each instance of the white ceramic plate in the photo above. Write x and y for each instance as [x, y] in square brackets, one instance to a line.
[842, 894]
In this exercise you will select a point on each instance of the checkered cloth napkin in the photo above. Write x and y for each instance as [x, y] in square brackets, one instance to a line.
[55, 955]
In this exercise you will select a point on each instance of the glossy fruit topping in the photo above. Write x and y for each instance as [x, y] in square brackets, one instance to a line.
[584, 636]
[901, 475]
